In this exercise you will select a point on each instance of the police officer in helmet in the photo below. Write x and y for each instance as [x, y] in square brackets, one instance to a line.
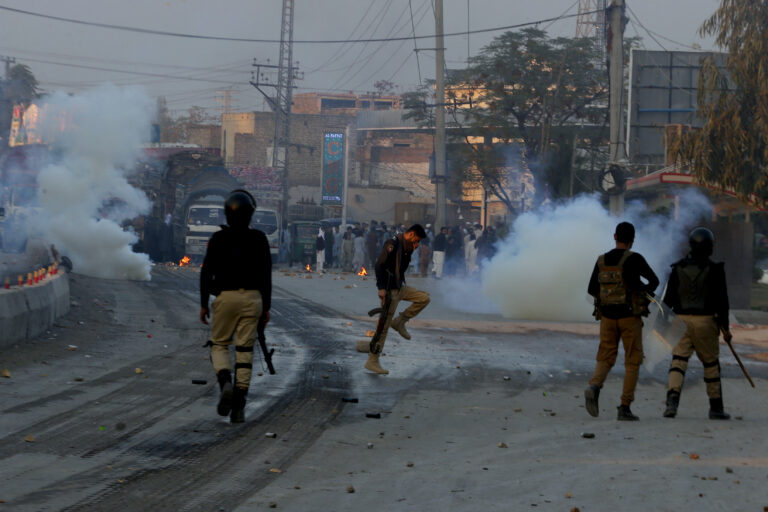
[697, 293]
[237, 269]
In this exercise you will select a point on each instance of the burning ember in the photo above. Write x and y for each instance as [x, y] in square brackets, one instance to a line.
[363, 272]
[308, 269]
[184, 261]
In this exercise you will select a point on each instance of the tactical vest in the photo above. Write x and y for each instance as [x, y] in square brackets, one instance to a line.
[613, 290]
[692, 289]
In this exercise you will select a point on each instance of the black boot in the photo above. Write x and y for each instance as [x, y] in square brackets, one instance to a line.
[591, 395]
[716, 411]
[225, 399]
[673, 400]
[625, 414]
[238, 406]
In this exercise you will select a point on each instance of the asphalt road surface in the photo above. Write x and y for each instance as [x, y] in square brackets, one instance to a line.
[100, 414]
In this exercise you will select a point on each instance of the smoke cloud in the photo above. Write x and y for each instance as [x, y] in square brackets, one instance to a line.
[542, 269]
[84, 195]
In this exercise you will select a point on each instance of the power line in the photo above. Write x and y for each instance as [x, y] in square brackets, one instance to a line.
[339, 53]
[277, 41]
[415, 46]
[342, 78]
[392, 55]
[368, 59]
[219, 67]
[138, 73]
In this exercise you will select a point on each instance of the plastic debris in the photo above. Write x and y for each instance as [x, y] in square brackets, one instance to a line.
[503, 445]
[199, 381]
[275, 470]
[350, 400]
[270, 435]
[138, 371]
[6, 373]
[587, 435]
[350, 489]
[30, 438]
[375, 415]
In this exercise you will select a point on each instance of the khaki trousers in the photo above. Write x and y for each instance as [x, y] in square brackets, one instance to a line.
[235, 313]
[630, 331]
[703, 337]
[418, 299]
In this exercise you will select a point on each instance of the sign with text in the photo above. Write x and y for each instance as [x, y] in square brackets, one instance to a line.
[332, 183]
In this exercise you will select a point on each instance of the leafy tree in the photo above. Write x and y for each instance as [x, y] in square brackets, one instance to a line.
[176, 129]
[521, 96]
[731, 149]
[384, 87]
[21, 85]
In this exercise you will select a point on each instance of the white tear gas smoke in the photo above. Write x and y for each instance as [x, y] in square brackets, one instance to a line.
[85, 196]
[541, 271]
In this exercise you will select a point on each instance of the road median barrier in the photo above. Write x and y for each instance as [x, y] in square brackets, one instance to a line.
[28, 311]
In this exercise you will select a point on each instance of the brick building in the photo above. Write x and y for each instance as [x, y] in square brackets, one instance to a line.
[341, 103]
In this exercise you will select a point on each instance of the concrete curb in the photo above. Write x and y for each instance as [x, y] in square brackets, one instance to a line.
[28, 311]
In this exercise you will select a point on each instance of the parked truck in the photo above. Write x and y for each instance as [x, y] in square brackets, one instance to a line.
[187, 189]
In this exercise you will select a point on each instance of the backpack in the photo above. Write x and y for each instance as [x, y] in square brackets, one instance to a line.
[613, 290]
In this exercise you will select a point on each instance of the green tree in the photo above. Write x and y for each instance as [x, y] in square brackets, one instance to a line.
[731, 149]
[176, 129]
[21, 85]
[520, 100]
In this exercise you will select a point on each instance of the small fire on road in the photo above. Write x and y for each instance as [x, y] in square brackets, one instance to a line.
[308, 269]
[363, 272]
[184, 261]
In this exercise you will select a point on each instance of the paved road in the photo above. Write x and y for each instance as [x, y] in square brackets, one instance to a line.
[100, 414]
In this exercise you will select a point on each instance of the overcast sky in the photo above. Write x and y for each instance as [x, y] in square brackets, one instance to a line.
[195, 69]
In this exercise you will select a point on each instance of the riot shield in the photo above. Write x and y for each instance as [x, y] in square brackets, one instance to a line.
[661, 332]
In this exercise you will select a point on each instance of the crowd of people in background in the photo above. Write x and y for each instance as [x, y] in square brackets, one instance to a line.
[459, 250]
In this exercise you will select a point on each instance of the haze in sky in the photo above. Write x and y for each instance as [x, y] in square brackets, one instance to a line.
[74, 57]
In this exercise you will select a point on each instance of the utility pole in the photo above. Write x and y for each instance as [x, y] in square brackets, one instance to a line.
[345, 190]
[616, 20]
[8, 61]
[440, 178]
[282, 102]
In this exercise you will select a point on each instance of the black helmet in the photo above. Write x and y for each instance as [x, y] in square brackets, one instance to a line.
[239, 208]
[702, 242]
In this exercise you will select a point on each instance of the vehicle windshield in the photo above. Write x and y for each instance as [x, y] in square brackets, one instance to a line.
[207, 216]
[264, 220]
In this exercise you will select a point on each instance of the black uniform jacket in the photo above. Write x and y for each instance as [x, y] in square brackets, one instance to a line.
[635, 267]
[392, 264]
[235, 259]
[715, 300]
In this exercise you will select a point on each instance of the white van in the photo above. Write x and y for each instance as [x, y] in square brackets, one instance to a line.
[268, 221]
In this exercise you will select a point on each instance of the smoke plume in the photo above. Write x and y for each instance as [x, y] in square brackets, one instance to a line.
[84, 195]
[541, 271]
